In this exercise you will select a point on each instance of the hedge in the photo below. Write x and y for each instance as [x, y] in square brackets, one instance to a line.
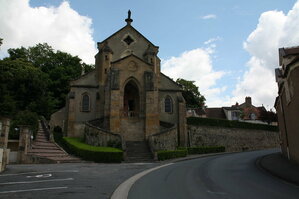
[205, 149]
[93, 153]
[164, 155]
[229, 124]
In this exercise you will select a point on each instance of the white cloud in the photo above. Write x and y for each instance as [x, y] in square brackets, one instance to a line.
[209, 16]
[61, 27]
[196, 65]
[274, 30]
[212, 40]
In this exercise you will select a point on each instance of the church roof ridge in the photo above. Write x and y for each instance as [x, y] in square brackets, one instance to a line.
[128, 26]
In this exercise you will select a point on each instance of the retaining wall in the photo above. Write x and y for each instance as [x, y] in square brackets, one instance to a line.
[232, 138]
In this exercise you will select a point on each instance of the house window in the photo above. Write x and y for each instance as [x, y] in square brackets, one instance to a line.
[252, 116]
[168, 105]
[85, 103]
[235, 115]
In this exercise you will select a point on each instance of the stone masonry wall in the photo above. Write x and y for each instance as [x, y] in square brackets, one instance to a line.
[99, 137]
[233, 139]
[165, 140]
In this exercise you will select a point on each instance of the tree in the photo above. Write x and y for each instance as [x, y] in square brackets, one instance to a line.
[60, 67]
[1, 41]
[191, 94]
[21, 86]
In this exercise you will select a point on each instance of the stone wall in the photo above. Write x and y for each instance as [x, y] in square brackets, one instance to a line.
[99, 137]
[167, 139]
[233, 139]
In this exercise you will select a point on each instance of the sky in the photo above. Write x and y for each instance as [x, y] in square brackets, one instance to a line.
[228, 47]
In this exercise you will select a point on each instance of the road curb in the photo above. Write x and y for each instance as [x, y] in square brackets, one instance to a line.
[122, 191]
[268, 171]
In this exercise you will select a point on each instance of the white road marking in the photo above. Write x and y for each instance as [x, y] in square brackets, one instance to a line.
[41, 176]
[26, 190]
[123, 189]
[36, 181]
[16, 174]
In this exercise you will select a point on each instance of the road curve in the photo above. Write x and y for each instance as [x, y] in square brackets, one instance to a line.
[230, 176]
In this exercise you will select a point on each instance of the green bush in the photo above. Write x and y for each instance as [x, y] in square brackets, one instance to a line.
[58, 138]
[197, 121]
[164, 155]
[23, 118]
[93, 153]
[205, 149]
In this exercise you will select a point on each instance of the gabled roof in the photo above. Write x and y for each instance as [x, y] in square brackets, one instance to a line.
[171, 80]
[217, 113]
[128, 26]
[287, 51]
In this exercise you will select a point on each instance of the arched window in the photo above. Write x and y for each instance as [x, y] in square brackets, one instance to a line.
[85, 103]
[168, 104]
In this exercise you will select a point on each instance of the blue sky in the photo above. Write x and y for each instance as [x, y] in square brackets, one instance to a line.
[207, 34]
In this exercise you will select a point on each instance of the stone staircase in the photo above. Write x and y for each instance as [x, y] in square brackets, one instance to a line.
[45, 151]
[138, 151]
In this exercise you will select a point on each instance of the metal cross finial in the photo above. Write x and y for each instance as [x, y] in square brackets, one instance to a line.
[129, 20]
[129, 14]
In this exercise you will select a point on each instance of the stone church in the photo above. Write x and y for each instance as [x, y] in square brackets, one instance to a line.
[126, 93]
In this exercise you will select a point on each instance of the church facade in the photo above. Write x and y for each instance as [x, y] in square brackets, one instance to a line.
[126, 93]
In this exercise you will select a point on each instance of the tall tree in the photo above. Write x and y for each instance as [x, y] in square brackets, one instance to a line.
[191, 94]
[22, 86]
[60, 67]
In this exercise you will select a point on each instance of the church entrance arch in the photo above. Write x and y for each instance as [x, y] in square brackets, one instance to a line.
[132, 124]
[131, 100]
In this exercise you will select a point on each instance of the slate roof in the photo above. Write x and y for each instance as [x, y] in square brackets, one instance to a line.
[217, 113]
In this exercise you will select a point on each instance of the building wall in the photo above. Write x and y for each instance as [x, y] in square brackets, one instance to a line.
[120, 48]
[57, 119]
[288, 113]
[164, 116]
[117, 63]
[233, 139]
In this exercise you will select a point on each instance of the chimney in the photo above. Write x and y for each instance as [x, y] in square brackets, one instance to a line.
[248, 101]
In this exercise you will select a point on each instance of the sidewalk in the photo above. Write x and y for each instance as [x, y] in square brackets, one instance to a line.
[280, 167]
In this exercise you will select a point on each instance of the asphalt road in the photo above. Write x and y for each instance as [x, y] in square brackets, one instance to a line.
[66, 181]
[233, 176]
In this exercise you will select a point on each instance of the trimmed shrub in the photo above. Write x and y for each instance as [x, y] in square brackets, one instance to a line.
[58, 138]
[197, 121]
[93, 153]
[164, 155]
[205, 149]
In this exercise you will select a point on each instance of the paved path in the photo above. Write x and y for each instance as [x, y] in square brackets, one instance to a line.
[230, 176]
[66, 181]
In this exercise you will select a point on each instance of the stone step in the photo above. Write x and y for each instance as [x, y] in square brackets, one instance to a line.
[67, 159]
[138, 151]
[49, 155]
[42, 141]
[45, 147]
[49, 144]
[139, 154]
[45, 151]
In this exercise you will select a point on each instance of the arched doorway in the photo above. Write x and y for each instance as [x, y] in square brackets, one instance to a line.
[131, 100]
